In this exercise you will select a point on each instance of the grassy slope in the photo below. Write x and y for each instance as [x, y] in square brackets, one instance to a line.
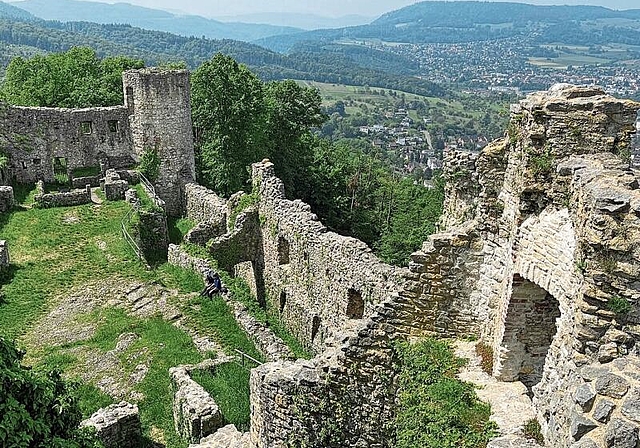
[58, 249]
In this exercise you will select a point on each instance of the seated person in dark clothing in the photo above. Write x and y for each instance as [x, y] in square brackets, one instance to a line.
[213, 286]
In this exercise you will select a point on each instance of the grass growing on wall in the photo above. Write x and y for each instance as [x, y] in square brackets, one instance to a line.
[436, 409]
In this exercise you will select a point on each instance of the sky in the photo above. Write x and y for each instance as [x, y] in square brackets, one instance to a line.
[330, 8]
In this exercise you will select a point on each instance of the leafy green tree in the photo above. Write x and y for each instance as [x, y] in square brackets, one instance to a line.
[292, 111]
[229, 116]
[75, 78]
[37, 410]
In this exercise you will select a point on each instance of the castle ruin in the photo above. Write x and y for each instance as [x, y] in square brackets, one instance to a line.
[41, 142]
[538, 256]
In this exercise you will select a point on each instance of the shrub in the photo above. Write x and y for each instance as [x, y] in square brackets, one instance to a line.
[37, 409]
[150, 164]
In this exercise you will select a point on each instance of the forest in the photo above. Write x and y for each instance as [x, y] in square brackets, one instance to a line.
[240, 119]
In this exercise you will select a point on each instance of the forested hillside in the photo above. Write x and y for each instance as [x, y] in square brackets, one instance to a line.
[156, 48]
[449, 22]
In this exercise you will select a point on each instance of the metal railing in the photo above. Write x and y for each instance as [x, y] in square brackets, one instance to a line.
[151, 191]
[244, 359]
[127, 236]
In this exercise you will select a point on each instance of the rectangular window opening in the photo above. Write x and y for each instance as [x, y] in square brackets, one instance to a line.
[86, 127]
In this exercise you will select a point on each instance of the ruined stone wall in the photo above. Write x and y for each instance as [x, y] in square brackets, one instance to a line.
[555, 210]
[316, 279]
[33, 136]
[159, 105]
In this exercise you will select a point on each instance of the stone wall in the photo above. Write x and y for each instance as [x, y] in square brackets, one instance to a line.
[195, 413]
[117, 426]
[551, 212]
[6, 198]
[33, 137]
[319, 281]
[63, 199]
[203, 205]
[159, 105]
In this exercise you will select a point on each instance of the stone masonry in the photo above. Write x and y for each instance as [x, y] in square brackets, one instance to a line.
[550, 216]
[42, 142]
[117, 426]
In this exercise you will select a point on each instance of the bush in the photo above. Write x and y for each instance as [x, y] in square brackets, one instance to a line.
[37, 409]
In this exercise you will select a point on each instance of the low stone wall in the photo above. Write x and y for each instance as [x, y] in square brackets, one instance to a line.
[205, 231]
[117, 426]
[271, 346]
[114, 187]
[82, 182]
[195, 412]
[67, 199]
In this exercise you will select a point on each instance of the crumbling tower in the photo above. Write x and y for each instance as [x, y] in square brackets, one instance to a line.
[159, 104]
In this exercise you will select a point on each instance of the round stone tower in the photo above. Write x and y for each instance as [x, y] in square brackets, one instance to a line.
[159, 103]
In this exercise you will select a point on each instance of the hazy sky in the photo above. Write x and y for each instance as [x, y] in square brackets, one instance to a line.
[334, 8]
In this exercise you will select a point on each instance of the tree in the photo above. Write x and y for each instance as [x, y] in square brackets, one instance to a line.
[75, 78]
[292, 110]
[37, 410]
[228, 109]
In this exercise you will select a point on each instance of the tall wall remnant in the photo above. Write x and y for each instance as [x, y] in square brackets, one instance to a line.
[159, 104]
[42, 142]
[552, 215]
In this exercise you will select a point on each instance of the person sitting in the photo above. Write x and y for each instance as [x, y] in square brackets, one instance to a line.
[213, 284]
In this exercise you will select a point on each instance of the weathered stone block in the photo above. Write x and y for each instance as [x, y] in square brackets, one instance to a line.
[117, 426]
[603, 410]
[631, 405]
[584, 396]
[612, 386]
[4, 254]
[195, 413]
[621, 434]
[6, 198]
[580, 425]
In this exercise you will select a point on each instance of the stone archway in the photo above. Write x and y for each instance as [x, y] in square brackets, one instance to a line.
[529, 329]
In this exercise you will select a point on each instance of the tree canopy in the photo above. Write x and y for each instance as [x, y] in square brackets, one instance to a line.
[75, 78]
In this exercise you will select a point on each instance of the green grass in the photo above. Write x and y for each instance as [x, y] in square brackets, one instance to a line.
[146, 203]
[229, 387]
[88, 171]
[435, 409]
[216, 316]
[56, 250]
[178, 228]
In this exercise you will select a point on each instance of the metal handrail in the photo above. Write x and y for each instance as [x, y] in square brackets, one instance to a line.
[151, 191]
[244, 356]
[127, 236]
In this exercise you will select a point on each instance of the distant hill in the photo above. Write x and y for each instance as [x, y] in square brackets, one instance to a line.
[11, 12]
[467, 21]
[147, 18]
[304, 21]
[24, 38]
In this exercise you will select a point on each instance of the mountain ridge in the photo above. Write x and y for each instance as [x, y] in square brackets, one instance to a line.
[148, 18]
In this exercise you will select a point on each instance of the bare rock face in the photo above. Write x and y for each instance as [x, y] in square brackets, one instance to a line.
[117, 426]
